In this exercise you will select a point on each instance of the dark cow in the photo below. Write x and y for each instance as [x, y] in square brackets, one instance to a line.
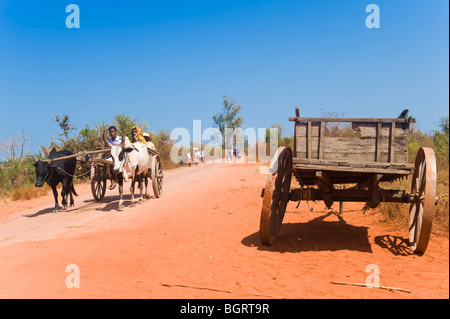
[57, 172]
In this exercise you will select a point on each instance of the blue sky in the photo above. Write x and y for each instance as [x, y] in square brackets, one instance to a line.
[168, 63]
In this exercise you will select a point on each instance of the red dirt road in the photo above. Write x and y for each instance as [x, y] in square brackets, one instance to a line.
[203, 233]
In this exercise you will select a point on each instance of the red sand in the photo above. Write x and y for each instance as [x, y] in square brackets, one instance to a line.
[203, 232]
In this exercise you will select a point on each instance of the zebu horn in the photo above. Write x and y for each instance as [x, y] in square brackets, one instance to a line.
[122, 144]
[107, 143]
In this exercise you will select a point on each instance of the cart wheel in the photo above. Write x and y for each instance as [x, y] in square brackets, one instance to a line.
[421, 211]
[157, 176]
[276, 195]
[98, 183]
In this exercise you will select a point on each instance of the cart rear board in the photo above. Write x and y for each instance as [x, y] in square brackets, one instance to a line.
[344, 160]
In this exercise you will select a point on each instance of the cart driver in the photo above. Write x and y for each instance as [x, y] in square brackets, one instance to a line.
[114, 140]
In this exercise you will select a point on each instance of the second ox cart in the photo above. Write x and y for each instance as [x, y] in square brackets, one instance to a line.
[350, 168]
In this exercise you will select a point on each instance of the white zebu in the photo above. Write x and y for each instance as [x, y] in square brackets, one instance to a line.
[130, 160]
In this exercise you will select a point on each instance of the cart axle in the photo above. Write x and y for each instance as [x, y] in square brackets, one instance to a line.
[351, 195]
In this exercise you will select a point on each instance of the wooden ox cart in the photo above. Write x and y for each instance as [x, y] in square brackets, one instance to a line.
[101, 166]
[349, 168]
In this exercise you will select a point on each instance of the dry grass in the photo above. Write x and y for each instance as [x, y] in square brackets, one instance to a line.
[441, 215]
[28, 192]
[400, 212]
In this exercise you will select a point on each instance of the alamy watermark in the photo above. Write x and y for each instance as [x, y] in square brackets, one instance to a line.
[373, 19]
[373, 279]
[73, 279]
[73, 19]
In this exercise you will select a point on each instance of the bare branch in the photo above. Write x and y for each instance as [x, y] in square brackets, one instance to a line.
[15, 148]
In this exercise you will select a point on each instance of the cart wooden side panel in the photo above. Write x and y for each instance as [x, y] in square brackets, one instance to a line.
[364, 140]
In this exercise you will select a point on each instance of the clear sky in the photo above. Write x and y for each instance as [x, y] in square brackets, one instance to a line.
[168, 63]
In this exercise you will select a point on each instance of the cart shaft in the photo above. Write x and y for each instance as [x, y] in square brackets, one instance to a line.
[79, 154]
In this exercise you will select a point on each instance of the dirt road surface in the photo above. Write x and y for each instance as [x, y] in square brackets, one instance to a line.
[200, 240]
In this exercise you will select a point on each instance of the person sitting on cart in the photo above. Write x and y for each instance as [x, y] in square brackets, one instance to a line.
[114, 140]
[149, 143]
[137, 136]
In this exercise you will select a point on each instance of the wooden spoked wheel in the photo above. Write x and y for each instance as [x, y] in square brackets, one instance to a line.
[98, 182]
[276, 195]
[423, 188]
[157, 176]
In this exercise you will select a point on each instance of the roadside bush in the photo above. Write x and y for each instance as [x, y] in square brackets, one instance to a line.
[439, 142]
[163, 145]
[17, 180]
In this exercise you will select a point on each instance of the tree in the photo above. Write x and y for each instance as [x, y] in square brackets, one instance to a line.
[444, 125]
[125, 123]
[64, 123]
[228, 117]
[87, 139]
[280, 130]
[441, 139]
[282, 141]
[15, 148]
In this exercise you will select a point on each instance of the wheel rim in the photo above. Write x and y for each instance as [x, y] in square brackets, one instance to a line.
[98, 184]
[421, 212]
[276, 195]
[157, 177]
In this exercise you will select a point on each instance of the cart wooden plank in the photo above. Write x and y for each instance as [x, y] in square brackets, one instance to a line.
[347, 119]
[366, 140]
[370, 167]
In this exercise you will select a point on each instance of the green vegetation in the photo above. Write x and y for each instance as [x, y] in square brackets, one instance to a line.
[228, 115]
[17, 180]
[282, 140]
[438, 140]
[17, 171]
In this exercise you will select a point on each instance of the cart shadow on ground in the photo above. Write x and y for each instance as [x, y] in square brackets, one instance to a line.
[108, 203]
[111, 203]
[315, 235]
[50, 210]
[396, 245]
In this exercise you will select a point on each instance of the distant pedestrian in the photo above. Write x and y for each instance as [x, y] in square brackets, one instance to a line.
[203, 156]
[189, 159]
[196, 156]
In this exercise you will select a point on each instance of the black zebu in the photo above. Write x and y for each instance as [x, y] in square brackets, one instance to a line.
[57, 172]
